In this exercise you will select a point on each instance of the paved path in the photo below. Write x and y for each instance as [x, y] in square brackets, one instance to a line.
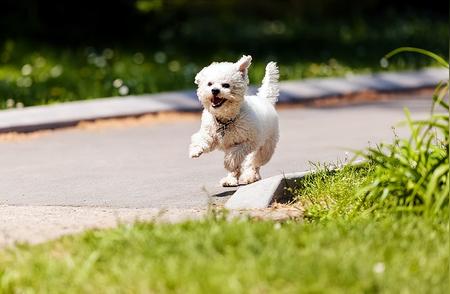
[148, 166]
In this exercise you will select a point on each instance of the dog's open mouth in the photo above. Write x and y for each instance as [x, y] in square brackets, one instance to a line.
[216, 101]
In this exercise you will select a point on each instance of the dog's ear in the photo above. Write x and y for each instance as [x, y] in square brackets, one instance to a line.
[243, 64]
[198, 77]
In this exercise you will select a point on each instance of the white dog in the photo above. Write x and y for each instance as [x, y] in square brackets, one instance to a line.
[244, 127]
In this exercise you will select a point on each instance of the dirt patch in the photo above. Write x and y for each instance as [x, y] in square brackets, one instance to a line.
[278, 214]
[14, 136]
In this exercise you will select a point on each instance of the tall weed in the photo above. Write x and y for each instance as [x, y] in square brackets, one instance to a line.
[413, 174]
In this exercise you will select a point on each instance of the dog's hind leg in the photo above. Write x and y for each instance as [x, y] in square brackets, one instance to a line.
[254, 161]
[249, 171]
[233, 160]
[265, 153]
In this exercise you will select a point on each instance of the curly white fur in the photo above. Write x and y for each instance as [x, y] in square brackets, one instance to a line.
[244, 127]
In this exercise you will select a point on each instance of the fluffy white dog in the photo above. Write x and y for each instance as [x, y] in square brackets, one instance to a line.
[244, 127]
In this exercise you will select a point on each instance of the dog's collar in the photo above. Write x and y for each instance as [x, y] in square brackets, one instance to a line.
[222, 126]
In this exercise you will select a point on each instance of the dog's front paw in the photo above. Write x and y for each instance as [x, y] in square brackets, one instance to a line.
[229, 181]
[195, 151]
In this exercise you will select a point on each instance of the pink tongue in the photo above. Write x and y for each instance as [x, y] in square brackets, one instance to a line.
[216, 100]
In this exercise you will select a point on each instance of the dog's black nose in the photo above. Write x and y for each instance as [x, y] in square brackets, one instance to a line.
[215, 91]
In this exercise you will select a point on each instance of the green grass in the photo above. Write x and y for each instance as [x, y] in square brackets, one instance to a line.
[329, 193]
[386, 255]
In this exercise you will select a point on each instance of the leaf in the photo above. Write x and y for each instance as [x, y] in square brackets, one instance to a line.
[434, 56]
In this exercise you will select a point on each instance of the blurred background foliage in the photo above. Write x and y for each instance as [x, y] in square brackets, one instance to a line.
[68, 50]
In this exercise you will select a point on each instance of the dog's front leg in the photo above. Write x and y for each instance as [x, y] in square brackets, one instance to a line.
[234, 157]
[201, 142]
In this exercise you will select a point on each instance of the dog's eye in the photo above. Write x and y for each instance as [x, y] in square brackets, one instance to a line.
[226, 85]
[209, 84]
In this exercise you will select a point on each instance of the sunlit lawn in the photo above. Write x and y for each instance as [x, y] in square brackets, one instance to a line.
[386, 255]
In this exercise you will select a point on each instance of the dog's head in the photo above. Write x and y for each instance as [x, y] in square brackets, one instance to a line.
[222, 86]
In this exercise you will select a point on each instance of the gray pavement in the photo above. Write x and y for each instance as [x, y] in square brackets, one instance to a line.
[147, 166]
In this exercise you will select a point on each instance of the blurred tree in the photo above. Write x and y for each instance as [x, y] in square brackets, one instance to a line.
[160, 20]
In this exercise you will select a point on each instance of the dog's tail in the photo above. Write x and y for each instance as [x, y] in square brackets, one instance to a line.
[269, 88]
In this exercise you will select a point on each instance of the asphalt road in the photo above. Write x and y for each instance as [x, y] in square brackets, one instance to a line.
[148, 166]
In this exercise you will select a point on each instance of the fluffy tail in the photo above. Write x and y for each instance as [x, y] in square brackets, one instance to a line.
[269, 88]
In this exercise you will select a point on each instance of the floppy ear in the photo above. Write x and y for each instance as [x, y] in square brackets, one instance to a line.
[244, 63]
[198, 77]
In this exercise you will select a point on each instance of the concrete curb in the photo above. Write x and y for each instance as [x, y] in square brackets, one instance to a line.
[263, 193]
[69, 114]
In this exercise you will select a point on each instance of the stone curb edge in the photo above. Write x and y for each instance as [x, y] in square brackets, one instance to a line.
[264, 192]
